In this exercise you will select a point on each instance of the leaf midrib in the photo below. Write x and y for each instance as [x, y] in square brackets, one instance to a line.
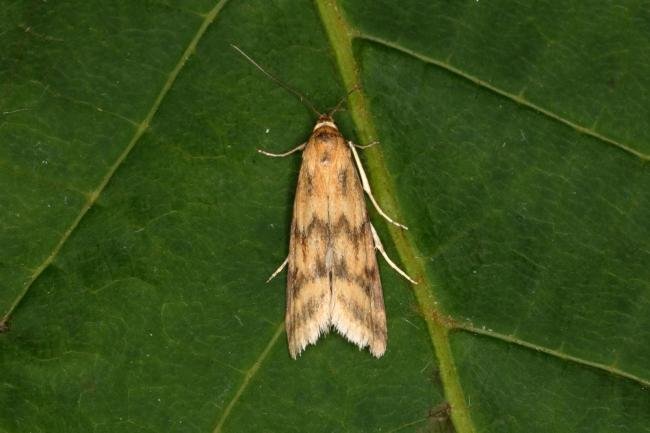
[377, 168]
[341, 37]
[518, 99]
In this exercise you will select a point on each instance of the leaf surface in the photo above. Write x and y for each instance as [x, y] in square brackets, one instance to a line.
[138, 224]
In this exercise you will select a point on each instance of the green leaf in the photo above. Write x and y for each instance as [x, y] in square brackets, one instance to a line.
[138, 224]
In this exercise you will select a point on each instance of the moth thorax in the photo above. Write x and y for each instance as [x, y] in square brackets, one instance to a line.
[325, 130]
[326, 134]
[324, 121]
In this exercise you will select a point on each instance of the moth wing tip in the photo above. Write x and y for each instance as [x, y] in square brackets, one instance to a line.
[297, 347]
[375, 343]
[378, 352]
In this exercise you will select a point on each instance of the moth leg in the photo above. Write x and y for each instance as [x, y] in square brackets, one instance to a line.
[359, 146]
[380, 247]
[280, 155]
[279, 269]
[366, 187]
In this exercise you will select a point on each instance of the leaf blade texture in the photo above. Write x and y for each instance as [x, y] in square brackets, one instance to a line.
[138, 224]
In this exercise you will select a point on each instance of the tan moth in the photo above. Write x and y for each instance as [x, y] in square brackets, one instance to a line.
[333, 278]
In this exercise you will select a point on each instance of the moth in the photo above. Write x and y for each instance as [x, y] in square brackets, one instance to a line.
[333, 278]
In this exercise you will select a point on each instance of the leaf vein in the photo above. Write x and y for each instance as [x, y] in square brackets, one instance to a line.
[139, 131]
[556, 353]
[517, 98]
[248, 376]
[341, 37]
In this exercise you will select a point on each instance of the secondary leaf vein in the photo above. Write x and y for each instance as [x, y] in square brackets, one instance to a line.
[140, 130]
[250, 373]
[518, 98]
[556, 353]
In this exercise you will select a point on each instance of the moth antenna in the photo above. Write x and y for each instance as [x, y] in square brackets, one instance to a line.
[303, 99]
[347, 95]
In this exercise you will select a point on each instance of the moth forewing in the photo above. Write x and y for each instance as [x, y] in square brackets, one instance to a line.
[333, 276]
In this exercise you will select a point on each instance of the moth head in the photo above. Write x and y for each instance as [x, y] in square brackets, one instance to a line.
[325, 120]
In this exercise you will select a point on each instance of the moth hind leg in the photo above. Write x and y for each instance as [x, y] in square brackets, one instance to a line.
[392, 264]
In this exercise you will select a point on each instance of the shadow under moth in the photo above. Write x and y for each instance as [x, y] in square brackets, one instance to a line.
[333, 277]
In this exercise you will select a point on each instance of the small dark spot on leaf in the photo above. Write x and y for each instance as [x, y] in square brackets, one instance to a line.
[439, 419]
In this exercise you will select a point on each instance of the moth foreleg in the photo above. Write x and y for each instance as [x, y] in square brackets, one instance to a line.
[366, 187]
[280, 155]
[392, 264]
[279, 269]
